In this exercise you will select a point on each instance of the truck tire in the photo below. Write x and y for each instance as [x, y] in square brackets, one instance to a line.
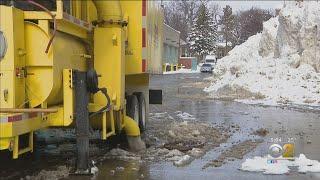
[142, 110]
[133, 107]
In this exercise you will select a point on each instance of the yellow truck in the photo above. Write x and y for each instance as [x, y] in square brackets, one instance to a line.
[81, 64]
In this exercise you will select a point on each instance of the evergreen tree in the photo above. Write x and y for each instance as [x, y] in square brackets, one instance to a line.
[228, 25]
[203, 33]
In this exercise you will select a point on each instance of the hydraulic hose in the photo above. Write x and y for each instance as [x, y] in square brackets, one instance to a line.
[92, 86]
[105, 108]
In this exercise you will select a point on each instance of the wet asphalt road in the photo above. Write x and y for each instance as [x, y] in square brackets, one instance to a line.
[183, 92]
[288, 124]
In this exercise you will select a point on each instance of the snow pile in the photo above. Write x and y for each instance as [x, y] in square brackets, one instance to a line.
[260, 164]
[121, 154]
[183, 71]
[186, 159]
[185, 116]
[94, 169]
[281, 65]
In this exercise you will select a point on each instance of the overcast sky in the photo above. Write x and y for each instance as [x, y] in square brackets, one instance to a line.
[244, 5]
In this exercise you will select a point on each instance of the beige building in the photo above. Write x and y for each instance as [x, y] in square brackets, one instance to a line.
[171, 45]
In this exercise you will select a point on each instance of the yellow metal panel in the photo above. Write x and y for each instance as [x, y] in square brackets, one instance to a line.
[6, 130]
[12, 129]
[68, 97]
[56, 119]
[12, 25]
[134, 32]
[79, 9]
[91, 12]
[104, 126]
[7, 89]
[64, 25]
[25, 126]
[59, 12]
[72, 29]
[84, 8]
[137, 79]
[74, 8]
[39, 64]
[36, 15]
[16, 147]
[109, 63]
[66, 52]
[5, 143]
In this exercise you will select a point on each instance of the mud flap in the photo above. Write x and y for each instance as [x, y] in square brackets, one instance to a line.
[155, 96]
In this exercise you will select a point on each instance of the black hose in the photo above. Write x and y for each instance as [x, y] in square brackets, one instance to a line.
[92, 81]
[92, 86]
[105, 108]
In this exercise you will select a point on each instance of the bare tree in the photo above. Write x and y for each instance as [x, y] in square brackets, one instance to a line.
[249, 23]
[215, 11]
[174, 18]
[180, 15]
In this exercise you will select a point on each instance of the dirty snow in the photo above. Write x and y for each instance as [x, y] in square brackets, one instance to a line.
[236, 151]
[182, 140]
[185, 116]
[179, 139]
[183, 161]
[259, 164]
[281, 65]
[94, 170]
[121, 154]
[61, 172]
[183, 71]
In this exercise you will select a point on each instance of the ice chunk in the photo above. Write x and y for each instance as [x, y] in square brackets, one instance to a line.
[184, 160]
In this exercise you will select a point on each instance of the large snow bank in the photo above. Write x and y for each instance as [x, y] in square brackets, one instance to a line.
[279, 65]
[260, 164]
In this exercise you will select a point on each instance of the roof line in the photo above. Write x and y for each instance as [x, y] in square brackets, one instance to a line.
[172, 28]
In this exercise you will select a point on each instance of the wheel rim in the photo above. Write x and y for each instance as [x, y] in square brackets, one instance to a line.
[136, 113]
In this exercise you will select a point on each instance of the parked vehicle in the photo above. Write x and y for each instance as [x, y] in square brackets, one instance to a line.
[210, 59]
[206, 68]
[49, 66]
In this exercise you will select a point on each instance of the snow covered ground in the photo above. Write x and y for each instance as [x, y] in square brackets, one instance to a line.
[281, 65]
[260, 164]
[183, 71]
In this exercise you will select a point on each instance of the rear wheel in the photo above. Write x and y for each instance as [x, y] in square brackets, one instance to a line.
[135, 143]
[142, 110]
[133, 107]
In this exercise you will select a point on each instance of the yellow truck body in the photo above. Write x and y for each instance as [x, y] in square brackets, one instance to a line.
[36, 77]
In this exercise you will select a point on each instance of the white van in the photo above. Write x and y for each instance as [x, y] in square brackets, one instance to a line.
[210, 59]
